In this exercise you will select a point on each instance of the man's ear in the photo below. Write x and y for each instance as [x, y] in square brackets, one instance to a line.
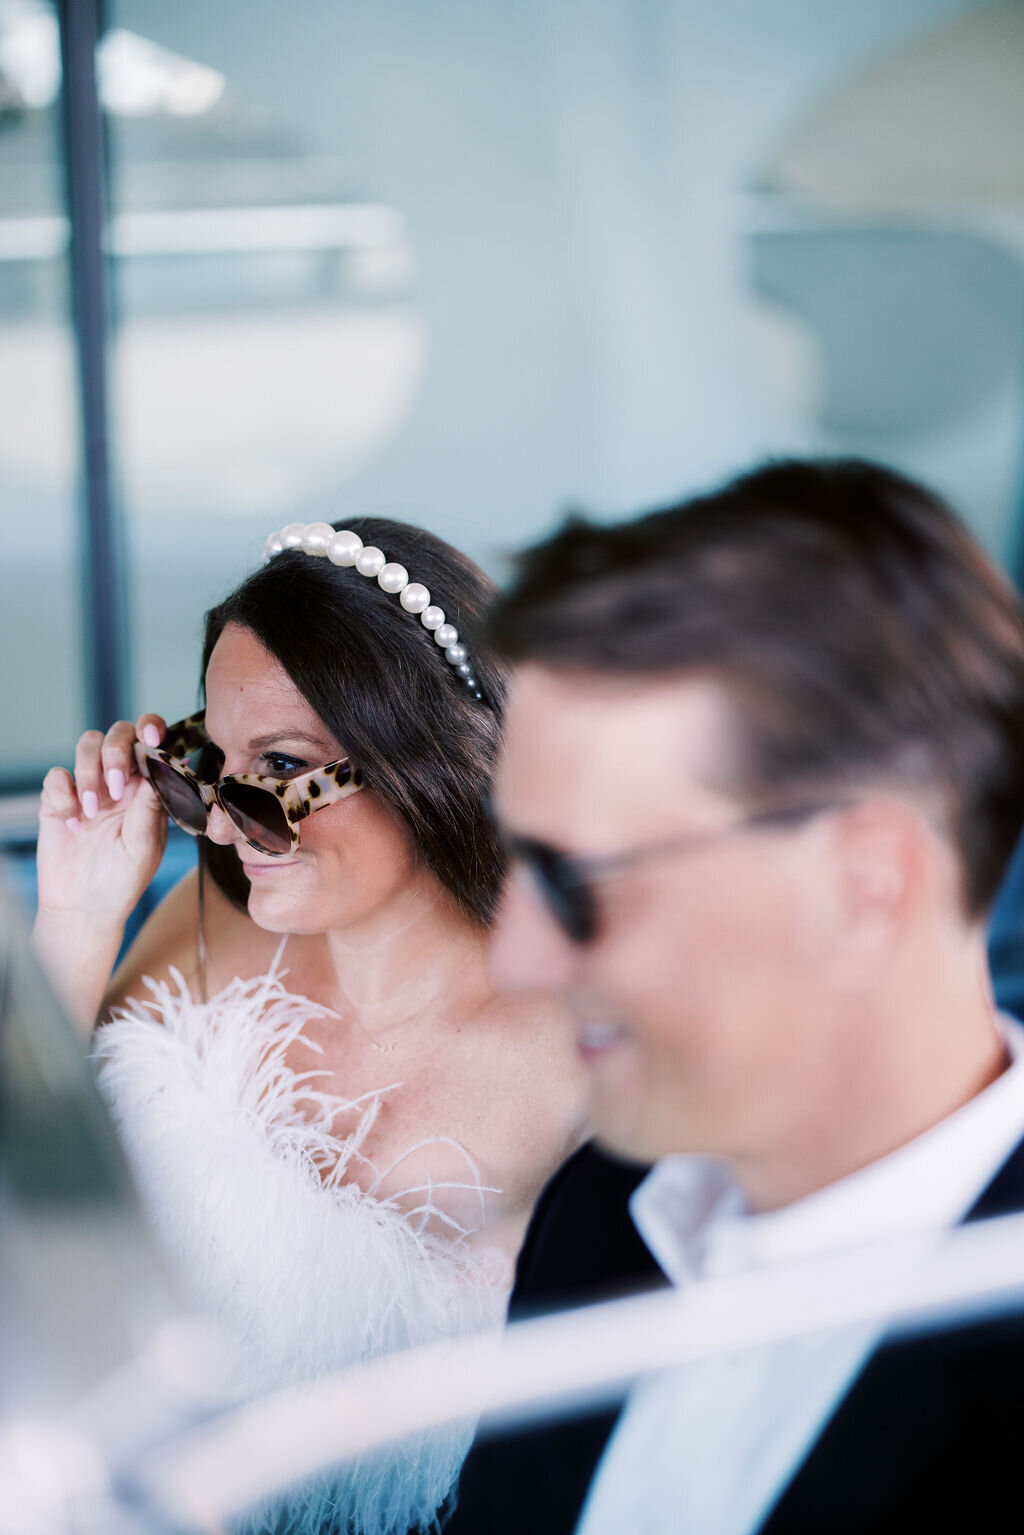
[876, 870]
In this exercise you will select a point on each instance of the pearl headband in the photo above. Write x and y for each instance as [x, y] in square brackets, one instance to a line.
[346, 548]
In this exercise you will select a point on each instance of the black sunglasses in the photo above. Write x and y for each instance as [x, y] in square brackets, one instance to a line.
[566, 882]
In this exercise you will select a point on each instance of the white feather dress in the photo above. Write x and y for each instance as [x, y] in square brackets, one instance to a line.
[244, 1182]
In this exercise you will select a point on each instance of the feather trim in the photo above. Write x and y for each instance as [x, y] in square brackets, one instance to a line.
[244, 1180]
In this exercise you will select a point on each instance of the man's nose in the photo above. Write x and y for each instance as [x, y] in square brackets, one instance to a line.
[528, 950]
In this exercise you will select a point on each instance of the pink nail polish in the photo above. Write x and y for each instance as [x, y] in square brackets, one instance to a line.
[90, 805]
[151, 735]
[71, 822]
[115, 783]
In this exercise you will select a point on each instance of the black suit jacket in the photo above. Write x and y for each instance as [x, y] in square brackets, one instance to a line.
[581, 1246]
[929, 1436]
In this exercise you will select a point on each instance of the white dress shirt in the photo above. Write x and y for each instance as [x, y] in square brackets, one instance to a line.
[706, 1449]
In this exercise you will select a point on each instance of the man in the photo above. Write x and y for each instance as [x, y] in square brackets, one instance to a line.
[764, 771]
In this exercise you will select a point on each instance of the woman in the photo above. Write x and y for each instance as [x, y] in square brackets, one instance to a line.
[345, 1166]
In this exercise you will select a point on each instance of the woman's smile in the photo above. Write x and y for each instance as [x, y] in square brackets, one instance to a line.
[260, 870]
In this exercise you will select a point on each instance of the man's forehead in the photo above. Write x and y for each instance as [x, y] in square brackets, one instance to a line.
[589, 751]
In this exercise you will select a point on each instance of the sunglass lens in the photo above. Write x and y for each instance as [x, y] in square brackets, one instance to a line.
[178, 796]
[569, 901]
[259, 816]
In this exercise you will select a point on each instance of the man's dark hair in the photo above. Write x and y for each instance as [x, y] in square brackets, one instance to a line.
[859, 630]
[383, 688]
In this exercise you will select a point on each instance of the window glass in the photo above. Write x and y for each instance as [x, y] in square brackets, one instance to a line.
[40, 629]
[266, 341]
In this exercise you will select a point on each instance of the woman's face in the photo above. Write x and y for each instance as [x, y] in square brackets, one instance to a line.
[354, 858]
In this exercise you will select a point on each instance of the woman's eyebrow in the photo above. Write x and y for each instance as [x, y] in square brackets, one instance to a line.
[260, 743]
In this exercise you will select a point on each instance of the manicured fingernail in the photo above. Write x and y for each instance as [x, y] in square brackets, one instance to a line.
[115, 783]
[151, 735]
[71, 822]
[90, 805]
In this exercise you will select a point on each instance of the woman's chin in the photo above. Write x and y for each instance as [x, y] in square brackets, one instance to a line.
[271, 923]
[276, 912]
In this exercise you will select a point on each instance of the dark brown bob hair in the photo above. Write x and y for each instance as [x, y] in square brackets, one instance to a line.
[384, 690]
[860, 632]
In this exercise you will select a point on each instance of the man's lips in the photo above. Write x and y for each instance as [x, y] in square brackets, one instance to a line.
[594, 1040]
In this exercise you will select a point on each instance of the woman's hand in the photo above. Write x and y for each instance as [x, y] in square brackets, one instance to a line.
[102, 833]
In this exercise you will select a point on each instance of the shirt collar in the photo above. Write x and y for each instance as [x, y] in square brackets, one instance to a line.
[691, 1216]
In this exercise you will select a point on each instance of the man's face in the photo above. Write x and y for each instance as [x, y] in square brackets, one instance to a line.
[698, 1003]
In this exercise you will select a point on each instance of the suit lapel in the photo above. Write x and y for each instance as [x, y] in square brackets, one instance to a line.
[1005, 1194]
[903, 1447]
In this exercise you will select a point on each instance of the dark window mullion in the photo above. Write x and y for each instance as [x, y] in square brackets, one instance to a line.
[105, 628]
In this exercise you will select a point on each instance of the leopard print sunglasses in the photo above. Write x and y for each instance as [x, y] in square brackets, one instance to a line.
[267, 811]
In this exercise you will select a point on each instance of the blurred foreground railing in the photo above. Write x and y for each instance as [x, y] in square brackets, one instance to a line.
[557, 1364]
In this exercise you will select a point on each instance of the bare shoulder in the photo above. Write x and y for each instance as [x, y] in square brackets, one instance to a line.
[530, 1029]
[169, 939]
[502, 1087]
[528, 1111]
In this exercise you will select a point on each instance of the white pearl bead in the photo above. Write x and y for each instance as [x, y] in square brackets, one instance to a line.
[393, 578]
[445, 635]
[456, 654]
[371, 561]
[272, 546]
[432, 618]
[415, 598]
[318, 536]
[343, 547]
[293, 534]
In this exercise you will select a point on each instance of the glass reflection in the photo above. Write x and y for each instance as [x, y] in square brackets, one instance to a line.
[39, 598]
[267, 342]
